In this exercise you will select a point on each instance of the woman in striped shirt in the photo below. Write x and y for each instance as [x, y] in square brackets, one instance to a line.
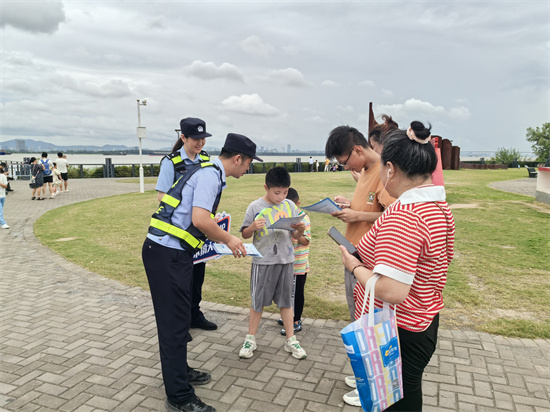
[410, 246]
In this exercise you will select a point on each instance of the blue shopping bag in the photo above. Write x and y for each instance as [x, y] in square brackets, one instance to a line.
[372, 344]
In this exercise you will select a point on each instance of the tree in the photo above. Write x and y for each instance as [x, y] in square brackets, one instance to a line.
[540, 139]
[506, 156]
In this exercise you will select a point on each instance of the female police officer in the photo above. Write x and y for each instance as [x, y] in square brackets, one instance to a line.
[177, 231]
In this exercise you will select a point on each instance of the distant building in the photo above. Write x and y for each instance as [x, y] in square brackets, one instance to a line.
[20, 145]
[289, 149]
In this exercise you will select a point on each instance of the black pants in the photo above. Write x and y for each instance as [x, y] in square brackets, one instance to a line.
[196, 296]
[299, 284]
[170, 275]
[417, 349]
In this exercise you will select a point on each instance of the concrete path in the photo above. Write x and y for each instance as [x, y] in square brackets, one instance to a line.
[71, 340]
[527, 187]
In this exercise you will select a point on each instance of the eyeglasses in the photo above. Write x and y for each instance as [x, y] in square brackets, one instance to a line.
[346, 162]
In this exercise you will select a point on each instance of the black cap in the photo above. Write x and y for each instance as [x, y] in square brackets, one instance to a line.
[193, 127]
[237, 143]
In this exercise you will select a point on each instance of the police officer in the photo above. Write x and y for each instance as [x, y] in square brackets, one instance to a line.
[187, 151]
[176, 232]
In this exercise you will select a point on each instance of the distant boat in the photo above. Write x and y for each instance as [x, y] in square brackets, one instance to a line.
[4, 153]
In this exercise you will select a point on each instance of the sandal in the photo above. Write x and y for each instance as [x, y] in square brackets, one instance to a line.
[34, 197]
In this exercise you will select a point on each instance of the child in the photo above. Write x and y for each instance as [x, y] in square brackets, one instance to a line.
[301, 264]
[57, 180]
[272, 275]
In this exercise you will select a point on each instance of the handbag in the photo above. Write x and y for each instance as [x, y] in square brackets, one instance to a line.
[372, 344]
[32, 183]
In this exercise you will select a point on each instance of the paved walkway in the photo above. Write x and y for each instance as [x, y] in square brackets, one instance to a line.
[71, 340]
[527, 187]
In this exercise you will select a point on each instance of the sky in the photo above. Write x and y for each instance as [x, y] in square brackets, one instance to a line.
[281, 73]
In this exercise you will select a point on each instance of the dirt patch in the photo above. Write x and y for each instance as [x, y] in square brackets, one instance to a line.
[66, 239]
[464, 206]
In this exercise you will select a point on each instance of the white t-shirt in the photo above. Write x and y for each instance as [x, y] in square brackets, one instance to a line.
[61, 164]
[4, 181]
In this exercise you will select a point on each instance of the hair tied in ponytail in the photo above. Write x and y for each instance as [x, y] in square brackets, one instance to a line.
[421, 140]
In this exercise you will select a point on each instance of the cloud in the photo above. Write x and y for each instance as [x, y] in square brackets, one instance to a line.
[35, 17]
[289, 77]
[209, 71]
[254, 45]
[387, 93]
[330, 83]
[249, 104]
[368, 83]
[418, 108]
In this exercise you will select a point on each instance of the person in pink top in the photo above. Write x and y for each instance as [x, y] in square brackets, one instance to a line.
[410, 246]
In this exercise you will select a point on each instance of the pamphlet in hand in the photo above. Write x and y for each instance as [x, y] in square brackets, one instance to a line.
[285, 223]
[326, 205]
[250, 250]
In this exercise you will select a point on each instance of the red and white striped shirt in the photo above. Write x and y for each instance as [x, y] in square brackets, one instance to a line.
[412, 242]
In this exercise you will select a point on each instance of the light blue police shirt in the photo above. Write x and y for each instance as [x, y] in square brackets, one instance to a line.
[201, 191]
[166, 174]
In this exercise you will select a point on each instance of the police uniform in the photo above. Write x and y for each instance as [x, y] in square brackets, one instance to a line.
[169, 267]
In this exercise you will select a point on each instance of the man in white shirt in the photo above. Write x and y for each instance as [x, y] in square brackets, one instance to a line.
[62, 164]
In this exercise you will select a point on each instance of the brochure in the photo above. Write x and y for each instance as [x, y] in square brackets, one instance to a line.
[250, 249]
[326, 205]
[284, 223]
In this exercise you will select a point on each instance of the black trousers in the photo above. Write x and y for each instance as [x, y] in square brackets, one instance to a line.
[170, 275]
[196, 296]
[299, 285]
[417, 349]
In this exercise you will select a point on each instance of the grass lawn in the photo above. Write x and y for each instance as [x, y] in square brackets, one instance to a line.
[498, 282]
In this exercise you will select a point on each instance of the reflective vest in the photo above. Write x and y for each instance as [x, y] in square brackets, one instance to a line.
[161, 224]
[179, 165]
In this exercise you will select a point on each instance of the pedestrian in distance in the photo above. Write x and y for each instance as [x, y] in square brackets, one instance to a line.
[63, 167]
[48, 177]
[3, 187]
[37, 179]
[272, 275]
[177, 231]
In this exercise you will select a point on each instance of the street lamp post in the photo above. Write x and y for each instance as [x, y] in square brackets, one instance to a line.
[141, 134]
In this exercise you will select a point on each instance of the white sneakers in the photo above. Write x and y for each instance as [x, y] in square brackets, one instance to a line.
[249, 346]
[4, 226]
[291, 345]
[350, 381]
[352, 398]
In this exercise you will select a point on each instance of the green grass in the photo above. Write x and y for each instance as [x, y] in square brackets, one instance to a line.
[497, 283]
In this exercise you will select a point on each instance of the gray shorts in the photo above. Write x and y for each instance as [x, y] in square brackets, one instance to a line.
[271, 283]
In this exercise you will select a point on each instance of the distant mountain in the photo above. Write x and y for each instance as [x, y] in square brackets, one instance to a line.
[39, 145]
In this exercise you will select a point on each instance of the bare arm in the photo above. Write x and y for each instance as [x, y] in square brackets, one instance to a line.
[257, 224]
[160, 195]
[387, 289]
[349, 216]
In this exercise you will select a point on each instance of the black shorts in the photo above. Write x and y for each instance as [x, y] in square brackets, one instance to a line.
[48, 179]
[65, 176]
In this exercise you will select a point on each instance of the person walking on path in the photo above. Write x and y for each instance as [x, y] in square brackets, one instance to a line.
[188, 151]
[178, 230]
[3, 187]
[62, 166]
[48, 177]
[420, 225]
[37, 179]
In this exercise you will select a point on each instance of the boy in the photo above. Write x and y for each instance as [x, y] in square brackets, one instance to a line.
[301, 264]
[272, 275]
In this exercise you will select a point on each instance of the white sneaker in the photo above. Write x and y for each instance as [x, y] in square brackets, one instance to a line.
[352, 398]
[249, 346]
[292, 345]
[5, 226]
[350, 381]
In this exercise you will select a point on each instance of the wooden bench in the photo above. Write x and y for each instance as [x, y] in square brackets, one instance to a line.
[532, 171]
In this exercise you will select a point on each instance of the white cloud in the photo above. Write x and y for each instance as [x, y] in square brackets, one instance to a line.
[387, 93]
[330, 83]
[368, 83]
[35, 17]
[249, 104]
[209, 71]
[255, 46]
[289, 77]
[423, 110]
